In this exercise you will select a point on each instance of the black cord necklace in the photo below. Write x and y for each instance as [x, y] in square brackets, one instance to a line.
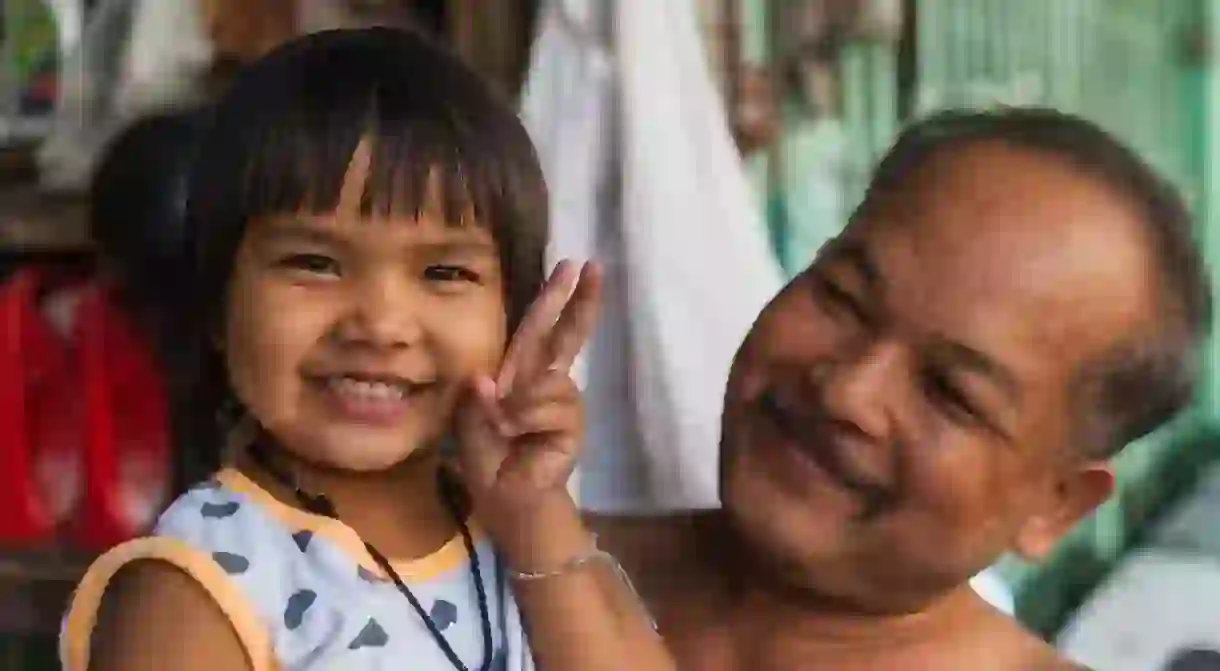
[320, 504]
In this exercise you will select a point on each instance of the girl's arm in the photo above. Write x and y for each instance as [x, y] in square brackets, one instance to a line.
[580, 613]
[154, 617]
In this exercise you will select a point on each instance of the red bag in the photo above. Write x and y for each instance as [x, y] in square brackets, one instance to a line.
[34, 359]
[84, 429]
[126, 451]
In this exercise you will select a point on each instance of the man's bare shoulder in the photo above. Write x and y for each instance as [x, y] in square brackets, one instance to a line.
[1050, 660]
[657, 549]
[1027, 651]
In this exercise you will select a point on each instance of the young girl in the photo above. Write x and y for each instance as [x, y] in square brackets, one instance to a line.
[368, 222]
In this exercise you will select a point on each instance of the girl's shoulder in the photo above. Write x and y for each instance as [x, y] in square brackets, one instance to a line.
[219, 552]
[187, 572]
[144, 612]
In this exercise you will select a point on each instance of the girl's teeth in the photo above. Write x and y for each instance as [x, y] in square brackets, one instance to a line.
[365, 390]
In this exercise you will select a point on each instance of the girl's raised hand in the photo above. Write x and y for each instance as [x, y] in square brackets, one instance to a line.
[521, 432]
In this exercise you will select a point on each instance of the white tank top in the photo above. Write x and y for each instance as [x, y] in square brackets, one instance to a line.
[303, 594]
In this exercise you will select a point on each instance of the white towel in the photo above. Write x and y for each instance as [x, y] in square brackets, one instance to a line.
[645, 178]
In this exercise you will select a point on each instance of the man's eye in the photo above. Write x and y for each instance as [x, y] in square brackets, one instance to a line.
[311, 263]
[944, 393]
[441, 273]
[837, 298]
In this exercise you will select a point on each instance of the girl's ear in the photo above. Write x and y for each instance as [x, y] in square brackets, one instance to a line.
[242, 433]
[447, 447]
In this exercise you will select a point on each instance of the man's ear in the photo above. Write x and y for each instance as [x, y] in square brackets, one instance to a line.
[1072, 497]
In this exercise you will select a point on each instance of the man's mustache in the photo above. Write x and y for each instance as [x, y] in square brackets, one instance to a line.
[821, 435]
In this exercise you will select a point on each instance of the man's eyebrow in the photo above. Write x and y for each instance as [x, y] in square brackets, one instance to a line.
[854, 255]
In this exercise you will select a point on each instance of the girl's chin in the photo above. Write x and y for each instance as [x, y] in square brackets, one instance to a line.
[371, 461]
[363, 455]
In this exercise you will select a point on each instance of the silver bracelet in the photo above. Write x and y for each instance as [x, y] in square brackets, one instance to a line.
[580, 561]
[573, 564]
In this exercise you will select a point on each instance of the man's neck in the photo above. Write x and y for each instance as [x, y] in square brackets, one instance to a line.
[798, 629]
[803, 620]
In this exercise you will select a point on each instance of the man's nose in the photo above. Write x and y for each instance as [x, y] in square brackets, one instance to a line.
[381, 314]
[855, 389]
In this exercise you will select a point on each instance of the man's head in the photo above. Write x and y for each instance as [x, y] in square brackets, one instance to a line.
[1016, 299]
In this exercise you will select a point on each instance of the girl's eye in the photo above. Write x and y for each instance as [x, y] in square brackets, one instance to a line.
[312, 263]
[441, 273]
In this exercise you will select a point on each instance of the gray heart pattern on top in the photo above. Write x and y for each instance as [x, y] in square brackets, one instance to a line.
[233, 564]
[298, 604]
[372, 636]
[219, 511]
[444, 614]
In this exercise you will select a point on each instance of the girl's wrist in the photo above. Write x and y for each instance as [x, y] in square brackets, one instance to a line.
[543, 537]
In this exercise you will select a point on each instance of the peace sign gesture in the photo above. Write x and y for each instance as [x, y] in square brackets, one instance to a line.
[521, 433]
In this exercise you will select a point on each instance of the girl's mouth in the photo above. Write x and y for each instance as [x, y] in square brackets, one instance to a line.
[365, 399]
[365, 390]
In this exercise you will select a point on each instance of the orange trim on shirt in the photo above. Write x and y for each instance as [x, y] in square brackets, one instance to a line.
[74, 642]
[447, 558]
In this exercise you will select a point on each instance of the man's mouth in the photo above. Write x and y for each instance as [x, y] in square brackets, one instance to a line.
[812, 434]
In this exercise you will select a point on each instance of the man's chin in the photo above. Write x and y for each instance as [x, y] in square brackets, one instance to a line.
[803, 555]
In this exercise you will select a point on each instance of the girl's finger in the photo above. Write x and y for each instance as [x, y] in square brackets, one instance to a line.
[546, 418]
[576, 323]
[552, 386]
[531, 337]
[481, 440]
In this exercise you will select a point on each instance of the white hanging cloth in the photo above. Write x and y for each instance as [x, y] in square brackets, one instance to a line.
[568, 109]
[645, 178]
[701, 267]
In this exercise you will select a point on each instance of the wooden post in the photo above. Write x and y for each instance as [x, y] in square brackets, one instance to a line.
[908, 62]
[494, 37]
[730, 27]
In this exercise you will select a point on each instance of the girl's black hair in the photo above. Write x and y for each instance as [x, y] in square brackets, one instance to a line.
[137, 207]
[281, 140]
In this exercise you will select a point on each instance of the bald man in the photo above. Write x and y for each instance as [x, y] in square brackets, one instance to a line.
[1017, 298]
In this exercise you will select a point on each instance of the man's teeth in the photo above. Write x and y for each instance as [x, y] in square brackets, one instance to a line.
[367, 390]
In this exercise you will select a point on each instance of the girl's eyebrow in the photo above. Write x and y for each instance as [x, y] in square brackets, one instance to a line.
[458, 247]
[304, 231]
[296, 231]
